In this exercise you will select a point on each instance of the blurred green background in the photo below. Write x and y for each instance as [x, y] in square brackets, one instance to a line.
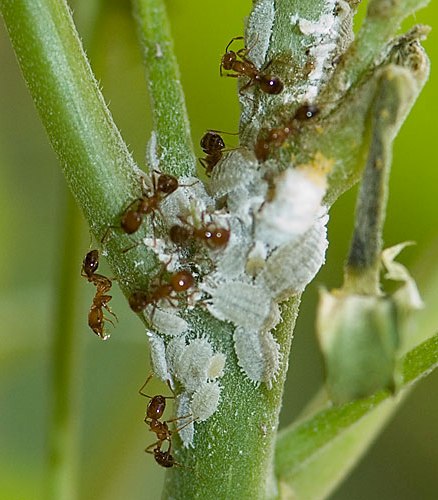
[402, 464]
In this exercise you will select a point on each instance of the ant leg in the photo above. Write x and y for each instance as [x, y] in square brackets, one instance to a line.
[159, 443]
[247, 85]
[144, 385]
[140, 391]
[233, 40]
[222, 132]
[231, 75]
[105, 235]
[131, 247]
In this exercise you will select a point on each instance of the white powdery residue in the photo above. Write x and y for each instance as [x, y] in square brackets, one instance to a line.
[246, 305]
[258, 355]
[322, 56]
[297, 201]
[317, 28]
[258, 30]
[186, 429]
[151, 152]
[192, 366]
[205, 401]
[291, 267]
[168, 322]
[158, 356]
[327, 34]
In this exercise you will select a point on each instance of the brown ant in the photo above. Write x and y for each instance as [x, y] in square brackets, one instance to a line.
[148, 204]
[179, 281]
[214, 147]
[242, 66]
[211, 235]
[96, 317]
[154, 412]
[277, 136]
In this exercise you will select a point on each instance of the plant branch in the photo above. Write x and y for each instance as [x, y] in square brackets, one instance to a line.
[331, 441]
[173, 148]
[62, 454]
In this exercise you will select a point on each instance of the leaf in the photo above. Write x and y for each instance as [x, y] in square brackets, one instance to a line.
[314, 455]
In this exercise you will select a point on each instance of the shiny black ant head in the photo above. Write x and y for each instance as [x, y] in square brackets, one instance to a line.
[270, 84]
[211, 141]
[91, 262]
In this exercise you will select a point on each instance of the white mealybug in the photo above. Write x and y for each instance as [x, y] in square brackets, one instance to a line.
[291, 267]
[158, 356]
[205, 401]
[192, 366]
[167, 322]
[185, 418]
[244, 304]
[230, 262]
[174, 351]
[296, 203]
[258, 355]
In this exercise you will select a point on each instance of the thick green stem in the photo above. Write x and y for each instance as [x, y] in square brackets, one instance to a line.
[62, 454]
[233, 450]
[173, 149]
[96, 162]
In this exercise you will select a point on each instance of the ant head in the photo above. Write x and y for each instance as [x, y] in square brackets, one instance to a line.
[91, 262]
[270, 84]
[167, 184]
[211, 141]
[228, 60]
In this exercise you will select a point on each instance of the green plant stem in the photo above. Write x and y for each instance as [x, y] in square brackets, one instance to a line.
[380, 26]
[331, 441]
[98, 167]
[62, 454]
[174, 149]
[96, 162]
[233, 451]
